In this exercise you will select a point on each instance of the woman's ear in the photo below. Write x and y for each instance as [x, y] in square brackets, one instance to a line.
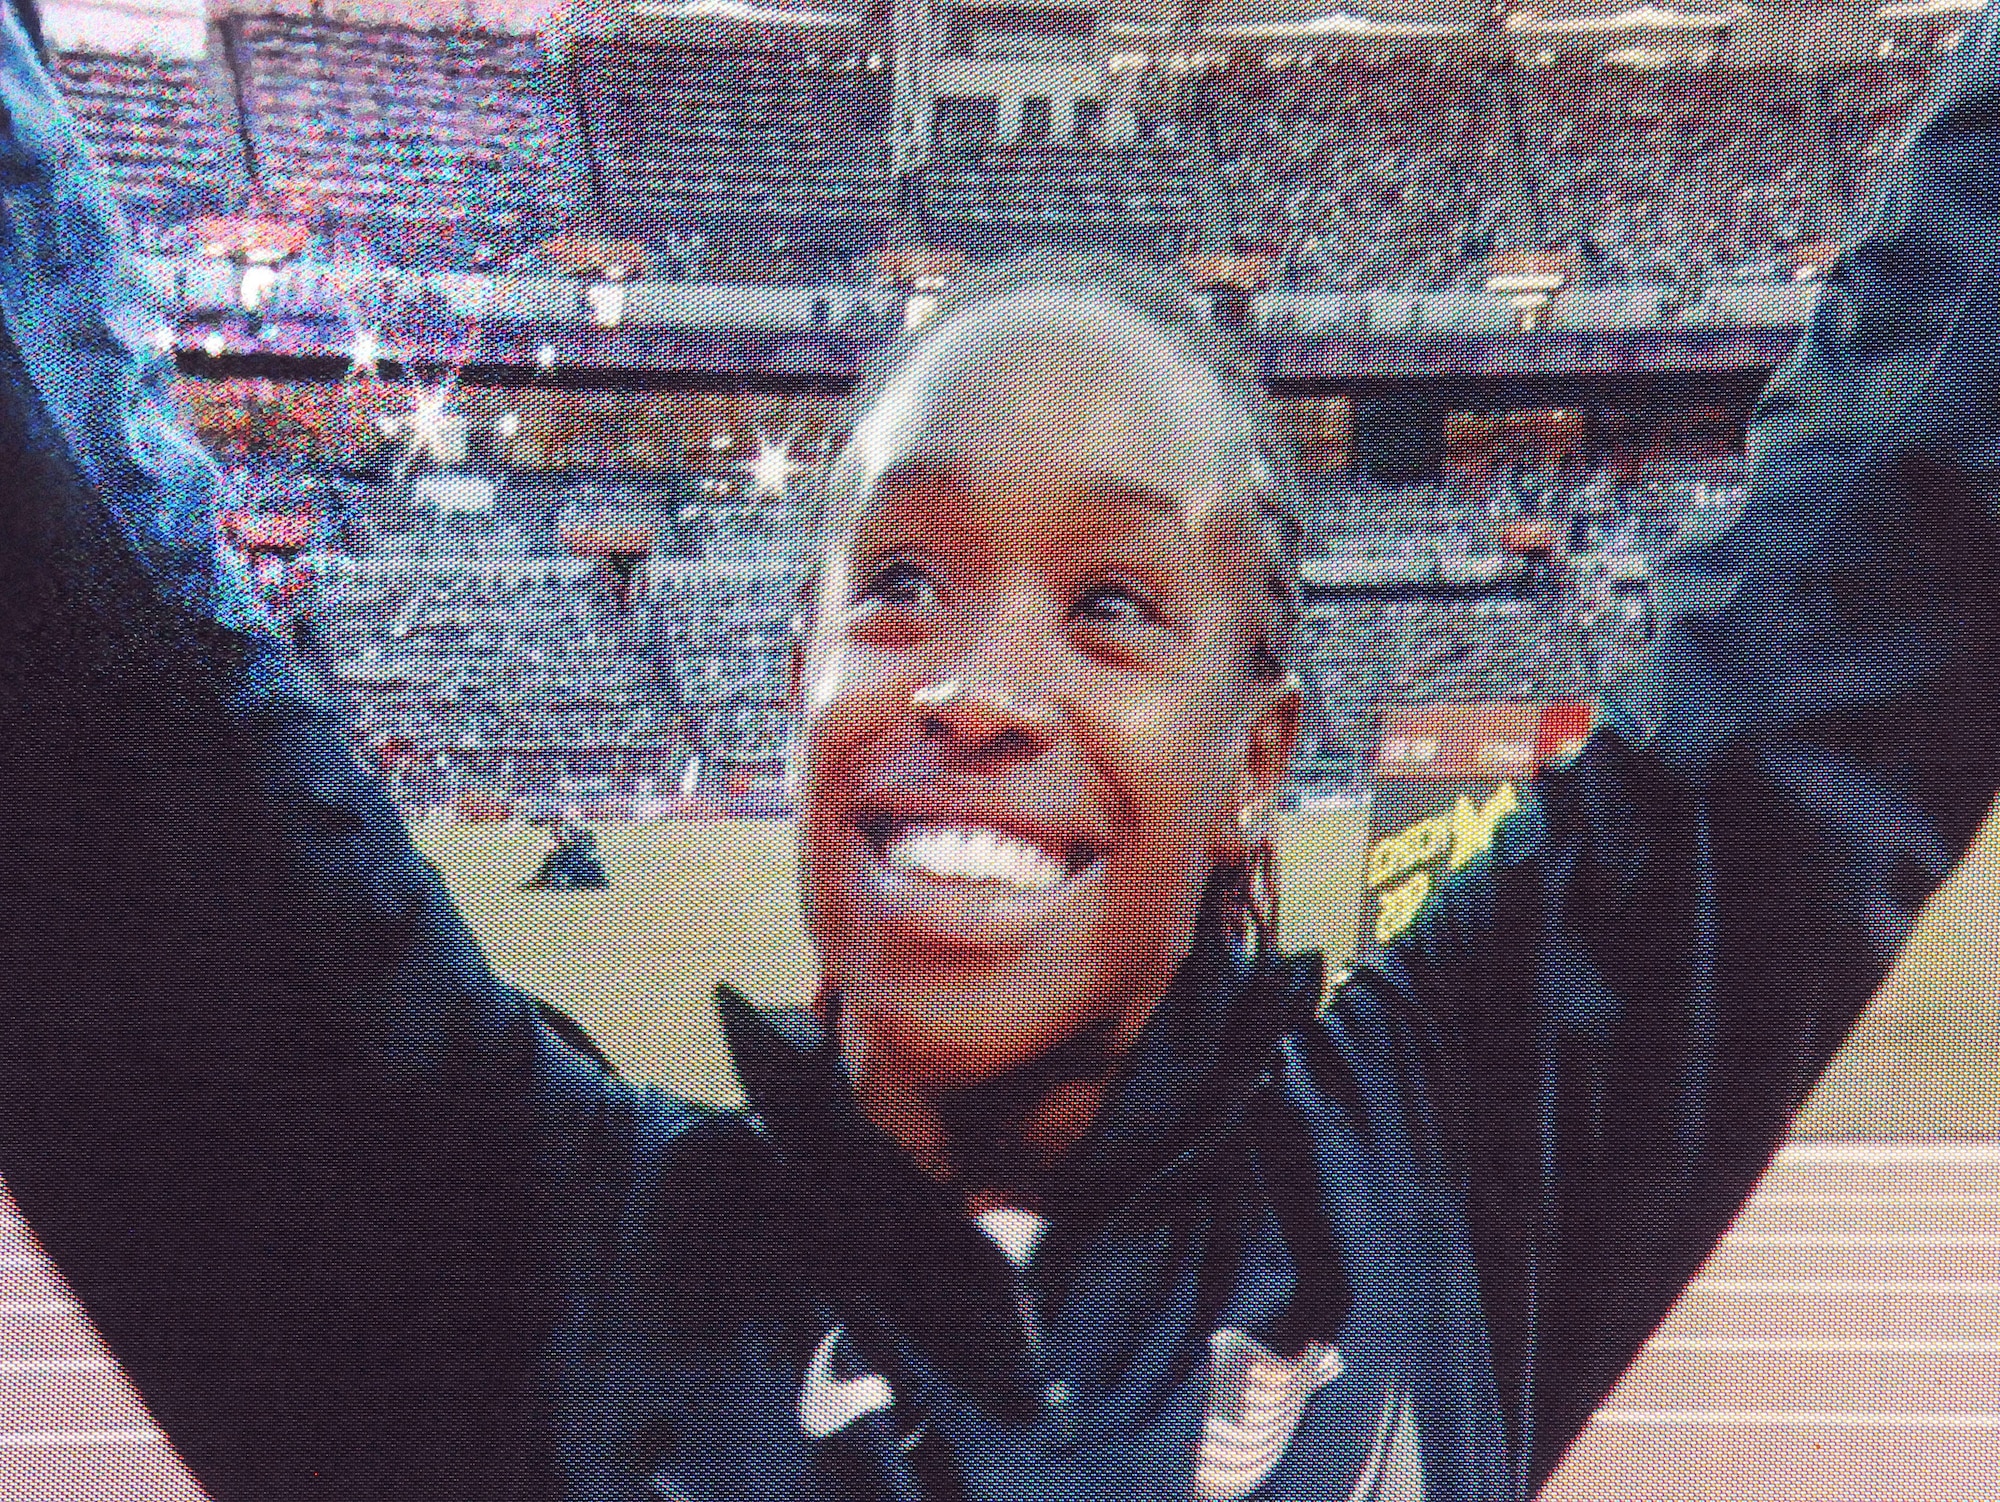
[1272, 736]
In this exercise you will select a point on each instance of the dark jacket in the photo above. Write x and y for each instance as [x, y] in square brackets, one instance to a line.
[364, 1222]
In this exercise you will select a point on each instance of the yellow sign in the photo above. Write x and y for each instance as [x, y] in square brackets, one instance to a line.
[1403, 870]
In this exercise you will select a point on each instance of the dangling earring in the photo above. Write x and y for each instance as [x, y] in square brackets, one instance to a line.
[1262, 871]
[1255, 886]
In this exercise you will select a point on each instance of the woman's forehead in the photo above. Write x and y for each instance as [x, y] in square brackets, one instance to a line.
[1056, 396]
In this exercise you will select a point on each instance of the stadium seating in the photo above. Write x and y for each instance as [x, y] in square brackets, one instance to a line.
[446, 637]
[428, 147]
[476, 635]
[1406, 170]
[159, 134]
[1377, 178]
[1575, 629]
[1396, 170]
[1002, 200]
[755, 143]
[1361, 173]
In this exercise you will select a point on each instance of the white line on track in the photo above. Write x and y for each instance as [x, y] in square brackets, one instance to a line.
[1886, 1240]
[49, 1438]
[1913, 1199]
[1977, 1287]
[1893, 1153]
[1782, 1418]
[56, 1365]
[1752, 1346]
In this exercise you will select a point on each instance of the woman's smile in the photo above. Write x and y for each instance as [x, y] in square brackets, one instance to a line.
[964, 885]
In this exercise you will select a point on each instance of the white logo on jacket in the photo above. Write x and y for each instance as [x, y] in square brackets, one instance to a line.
[828, 1404]
[1255, 1401]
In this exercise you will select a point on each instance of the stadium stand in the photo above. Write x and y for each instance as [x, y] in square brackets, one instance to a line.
[471, 653]
[1411, 598]
[1405, 170]
[159, 134]
[997, 200]
[761, 144]
[1393, 170]
[1365, 175]
[1361, 172]
[1675, 176]
[426, 147]
[476, 636]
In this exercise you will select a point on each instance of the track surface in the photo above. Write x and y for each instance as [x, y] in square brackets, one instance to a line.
[1842, 1345]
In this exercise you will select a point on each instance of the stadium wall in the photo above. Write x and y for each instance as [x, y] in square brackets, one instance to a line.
[523, 16]
[156, 28]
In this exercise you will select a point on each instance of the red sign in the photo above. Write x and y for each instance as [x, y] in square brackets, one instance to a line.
[250, 237]
[588, 255]
[606, 542]
[269, 531]
[1529, 537]
[910, 265]
[1457, 742]
[1563, 731]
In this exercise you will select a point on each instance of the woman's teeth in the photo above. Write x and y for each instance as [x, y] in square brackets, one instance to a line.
[973, 854]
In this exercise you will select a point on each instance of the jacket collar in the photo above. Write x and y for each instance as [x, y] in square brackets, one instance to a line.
[899, 1248]
[889, 1249]
[1202, 1053]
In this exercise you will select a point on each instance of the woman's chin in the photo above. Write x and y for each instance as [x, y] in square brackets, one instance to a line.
[943, 1039]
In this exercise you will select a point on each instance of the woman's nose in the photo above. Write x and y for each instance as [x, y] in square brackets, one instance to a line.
[983, 718]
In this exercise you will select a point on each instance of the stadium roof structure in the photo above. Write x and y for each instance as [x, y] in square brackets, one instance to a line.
[1741, 32]
[748, 11]
[1800, 33]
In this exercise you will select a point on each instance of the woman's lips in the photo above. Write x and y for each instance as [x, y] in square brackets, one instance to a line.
[972, 853]
[971, 883]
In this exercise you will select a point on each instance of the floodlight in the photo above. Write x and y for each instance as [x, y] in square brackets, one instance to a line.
[771, 468]
[364, 356]
[1636, 18]
[254, 286]
[1542, 284]
[607, 303]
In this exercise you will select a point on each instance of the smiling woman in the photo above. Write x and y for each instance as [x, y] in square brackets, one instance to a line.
[1069, 1186]
[1040, 704]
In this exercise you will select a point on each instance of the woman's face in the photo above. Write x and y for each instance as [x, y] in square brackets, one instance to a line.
[1028, 713]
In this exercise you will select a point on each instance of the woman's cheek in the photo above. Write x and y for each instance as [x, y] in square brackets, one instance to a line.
[1172, 763]
[848, 694]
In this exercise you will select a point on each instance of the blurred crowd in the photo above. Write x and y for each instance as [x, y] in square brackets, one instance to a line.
[1397, 170]
[487, 630]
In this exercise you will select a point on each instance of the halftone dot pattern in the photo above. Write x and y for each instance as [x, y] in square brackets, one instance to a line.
[1842, 1345]
[595, 768]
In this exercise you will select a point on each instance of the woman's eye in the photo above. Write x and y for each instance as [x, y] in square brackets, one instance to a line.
[903, 584]
[1112, 603]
